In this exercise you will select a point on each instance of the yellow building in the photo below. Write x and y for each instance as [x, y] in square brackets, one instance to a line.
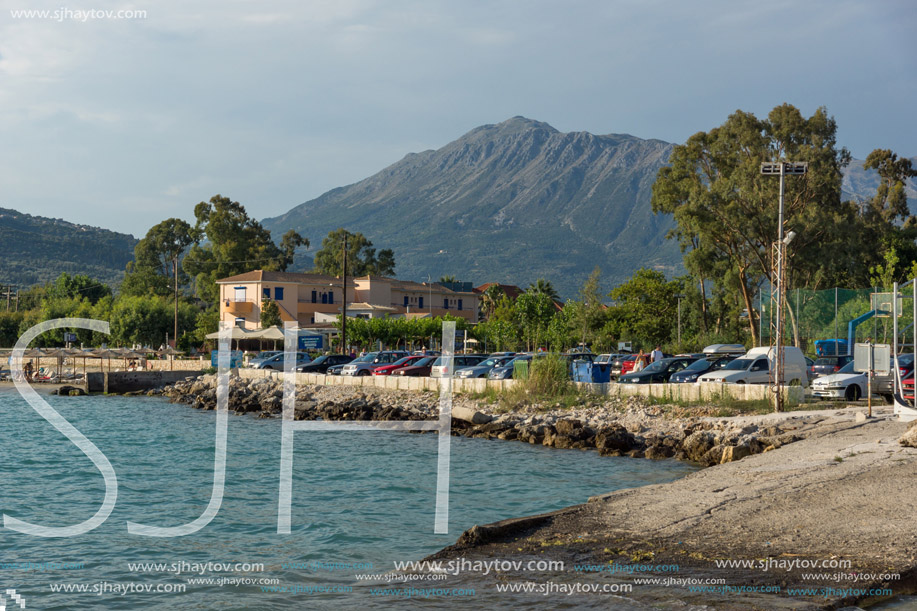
[312, 299]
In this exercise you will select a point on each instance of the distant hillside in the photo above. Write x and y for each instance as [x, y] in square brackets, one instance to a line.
[35, 249]
[510, 202]
[860, 185]
[514, 202]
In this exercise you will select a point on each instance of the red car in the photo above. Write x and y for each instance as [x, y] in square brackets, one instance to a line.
[387, 370]
[420, 368]
[907, 388]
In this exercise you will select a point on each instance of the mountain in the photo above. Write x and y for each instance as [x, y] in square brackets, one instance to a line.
[860, 185]
[510, 203]
[35, 249]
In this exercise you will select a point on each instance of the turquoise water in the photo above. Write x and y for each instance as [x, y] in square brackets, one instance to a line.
[359, 498]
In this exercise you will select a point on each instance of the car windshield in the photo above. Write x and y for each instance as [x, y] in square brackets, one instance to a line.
[698, 365]
[905, 360]
[738, 365]
[404, 360]
[492, 362]
[366, 358]
[427, 360]
[321, 359]
[830, 361]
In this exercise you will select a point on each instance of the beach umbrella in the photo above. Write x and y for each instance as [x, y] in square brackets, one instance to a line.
[171, 352]
[238, 333]
[105, 353]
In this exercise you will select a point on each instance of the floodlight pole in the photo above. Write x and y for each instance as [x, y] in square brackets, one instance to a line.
[781, 169]
[343, 300]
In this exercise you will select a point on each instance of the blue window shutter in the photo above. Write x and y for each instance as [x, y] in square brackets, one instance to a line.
[266, 293]
[278, 293]
[459, 304]
[314, 296]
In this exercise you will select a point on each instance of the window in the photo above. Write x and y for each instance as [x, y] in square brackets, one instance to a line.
[405, 301]
[278, 293]
[446, 303]
[459, 304]
[420, 302]
[239, 293]
[324, 297]
[314, 296]
[266, 293]
[330, 296]
[240, 322]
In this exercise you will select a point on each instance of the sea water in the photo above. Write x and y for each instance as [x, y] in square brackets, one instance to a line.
[361, 501]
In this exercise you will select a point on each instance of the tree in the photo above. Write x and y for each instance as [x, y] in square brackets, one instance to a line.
[147, 320]
[362, 258]
[489, 299]
[79, 286]
[543, 287]
[533, 314]
[589, 313]
[235, 244]
[645, 308]
[447, 279]
[156, 258]
[270, 314]
[726, 211]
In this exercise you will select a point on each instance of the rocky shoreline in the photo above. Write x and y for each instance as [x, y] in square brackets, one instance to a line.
[612, 426]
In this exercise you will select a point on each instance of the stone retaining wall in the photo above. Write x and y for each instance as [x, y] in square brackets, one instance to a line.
[674, 392]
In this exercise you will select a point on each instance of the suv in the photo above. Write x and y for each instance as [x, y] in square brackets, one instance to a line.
[324, 362]
[364, 365]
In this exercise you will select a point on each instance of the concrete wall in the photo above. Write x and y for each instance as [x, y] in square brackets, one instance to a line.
[675, 392]
[129, 381]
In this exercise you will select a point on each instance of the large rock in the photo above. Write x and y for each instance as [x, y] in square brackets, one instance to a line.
[909, 439]
[470, 415]
[614, 438]
[697, 444]
[731, 453]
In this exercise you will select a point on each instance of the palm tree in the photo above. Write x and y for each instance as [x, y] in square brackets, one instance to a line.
[489, 300]
[544, 287]
[447, 279]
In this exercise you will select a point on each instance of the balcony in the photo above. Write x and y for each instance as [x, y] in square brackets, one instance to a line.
[238, 308]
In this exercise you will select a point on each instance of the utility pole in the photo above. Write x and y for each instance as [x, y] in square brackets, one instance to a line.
[344, 300]
[175, 272]
[781, 169]
[9, 294]
[679, 297]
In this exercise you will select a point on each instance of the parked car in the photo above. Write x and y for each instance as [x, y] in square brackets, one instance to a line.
[826, 365]
[604, 358]
[324, 362]
[364, 365]
[420, 368]
[627, 365]
[658, 372]
[617, 364]
[699, 367]
[335, 370]
[277, 361]
[754, 368]
[459, 360]
[505, 371]
[387, 370]
[907, 388]
[845, 384]
[483, 368]
[263, 356]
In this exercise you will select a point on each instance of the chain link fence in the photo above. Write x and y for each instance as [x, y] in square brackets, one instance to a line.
[828, 314]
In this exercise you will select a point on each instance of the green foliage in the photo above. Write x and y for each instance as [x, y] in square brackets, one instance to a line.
[362, 258]
[270, 314]
[147, 320]
[645, 309]
[543, 287]
[235, 244]
[548, 377]
[533, 313]
[9, 327]
[156, 258]
[79, 286]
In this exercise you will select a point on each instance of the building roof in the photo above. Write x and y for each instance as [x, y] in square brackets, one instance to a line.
[512, 291]
[370, 306]
[294, 277]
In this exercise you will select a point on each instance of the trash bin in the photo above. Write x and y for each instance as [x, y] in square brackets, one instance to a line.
[601, 373]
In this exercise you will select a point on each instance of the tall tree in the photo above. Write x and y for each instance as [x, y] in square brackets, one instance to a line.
[724, 207]
[156, 259]
[362, 258]
[489, 300]
[235, 244]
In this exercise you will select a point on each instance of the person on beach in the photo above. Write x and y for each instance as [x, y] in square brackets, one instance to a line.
[656, 355]
[28, 369]
[640, 362]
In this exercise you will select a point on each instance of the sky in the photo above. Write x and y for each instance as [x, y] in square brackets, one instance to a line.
[134, 113]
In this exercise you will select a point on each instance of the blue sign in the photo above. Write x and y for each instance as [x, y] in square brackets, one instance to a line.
[235, 358]
[311, 342]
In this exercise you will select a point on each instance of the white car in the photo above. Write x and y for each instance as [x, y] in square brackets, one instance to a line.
[754, 368]
[845, 384]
